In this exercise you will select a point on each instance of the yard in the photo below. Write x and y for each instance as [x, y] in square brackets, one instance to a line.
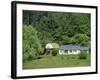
[57, 61]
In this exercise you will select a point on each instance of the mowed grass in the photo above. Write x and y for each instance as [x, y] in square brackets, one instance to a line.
[57, 61]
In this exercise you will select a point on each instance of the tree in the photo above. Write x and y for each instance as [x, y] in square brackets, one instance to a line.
[82, 39]
[31, 43]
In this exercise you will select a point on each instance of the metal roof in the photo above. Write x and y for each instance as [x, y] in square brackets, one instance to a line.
[73, 47]
[52, 45]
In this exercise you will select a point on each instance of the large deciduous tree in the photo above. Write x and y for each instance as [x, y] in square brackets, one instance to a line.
[31, 43]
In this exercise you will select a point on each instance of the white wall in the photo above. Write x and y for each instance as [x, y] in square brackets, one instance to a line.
[5, 41]
[62, 52]
[75, 51]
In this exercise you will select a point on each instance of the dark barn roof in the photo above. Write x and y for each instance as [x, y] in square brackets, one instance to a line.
[73, 47]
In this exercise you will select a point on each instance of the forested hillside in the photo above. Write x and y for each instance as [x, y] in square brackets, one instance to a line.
[59, 27]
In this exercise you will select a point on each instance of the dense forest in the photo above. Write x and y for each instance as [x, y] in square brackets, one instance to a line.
[42, 27]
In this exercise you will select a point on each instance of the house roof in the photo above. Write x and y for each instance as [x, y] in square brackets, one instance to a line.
[73, 47]
[52, 45]
[55, 45]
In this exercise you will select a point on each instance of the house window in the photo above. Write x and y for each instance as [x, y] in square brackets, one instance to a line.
[74, 50]
[66, 51]
[70, 51]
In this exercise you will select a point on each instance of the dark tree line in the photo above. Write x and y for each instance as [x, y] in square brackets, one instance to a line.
[60, 27]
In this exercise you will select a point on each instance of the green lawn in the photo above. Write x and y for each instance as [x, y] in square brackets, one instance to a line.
[58, 61]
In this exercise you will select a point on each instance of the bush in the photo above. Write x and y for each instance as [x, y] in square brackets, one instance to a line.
[30, 57]
[54, 52]
[27, 57]
[82, 55]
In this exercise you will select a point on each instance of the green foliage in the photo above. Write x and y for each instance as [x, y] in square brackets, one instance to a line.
[82, 55]
[30, 57]
[82, 39]
[31, 43]
[54, 52]
[59, 27]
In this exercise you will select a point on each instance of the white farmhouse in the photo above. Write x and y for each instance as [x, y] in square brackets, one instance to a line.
[72, 49]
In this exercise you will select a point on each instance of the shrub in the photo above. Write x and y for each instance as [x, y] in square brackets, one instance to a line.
[27, 57]
[83, 55]
[30, 57]
[54, 52]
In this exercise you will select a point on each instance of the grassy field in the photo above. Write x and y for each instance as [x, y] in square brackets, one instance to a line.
[58, 61]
